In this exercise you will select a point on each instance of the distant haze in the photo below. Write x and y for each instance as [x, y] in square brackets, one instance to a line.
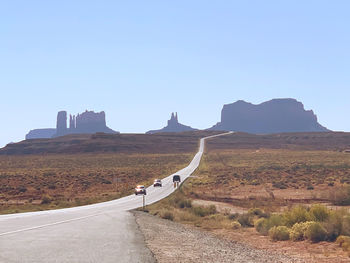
[139, 61]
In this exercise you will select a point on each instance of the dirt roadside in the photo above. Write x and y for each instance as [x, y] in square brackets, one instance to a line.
[174, 242]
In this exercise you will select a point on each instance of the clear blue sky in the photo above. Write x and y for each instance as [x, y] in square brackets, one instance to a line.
[141, 60]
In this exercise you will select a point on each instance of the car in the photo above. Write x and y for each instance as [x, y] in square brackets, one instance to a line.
[176, 178]
[140, 190]
[157, 182]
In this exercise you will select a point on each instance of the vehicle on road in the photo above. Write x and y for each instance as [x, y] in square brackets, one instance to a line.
[157, 182]
[140, 190]
[176, 178]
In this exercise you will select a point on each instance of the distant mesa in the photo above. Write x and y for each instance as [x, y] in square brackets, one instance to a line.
[173, 126]
[41, 133]
[274, 116]
[88, 122]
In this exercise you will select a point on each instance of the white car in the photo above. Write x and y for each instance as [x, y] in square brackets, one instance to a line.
[140, 190]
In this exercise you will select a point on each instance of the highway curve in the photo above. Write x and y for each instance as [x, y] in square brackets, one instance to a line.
[103, 232]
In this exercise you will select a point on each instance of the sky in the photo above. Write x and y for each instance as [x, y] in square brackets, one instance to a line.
[141, 60]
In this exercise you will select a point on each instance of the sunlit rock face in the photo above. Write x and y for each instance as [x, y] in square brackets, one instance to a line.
[274, 116]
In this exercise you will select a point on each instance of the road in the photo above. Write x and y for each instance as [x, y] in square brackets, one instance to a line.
[103, 232]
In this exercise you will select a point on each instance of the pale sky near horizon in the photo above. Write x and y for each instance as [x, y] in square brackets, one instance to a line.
[140, 60]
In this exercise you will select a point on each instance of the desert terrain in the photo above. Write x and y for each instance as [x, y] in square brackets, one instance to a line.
[83, 169]
[260, 190]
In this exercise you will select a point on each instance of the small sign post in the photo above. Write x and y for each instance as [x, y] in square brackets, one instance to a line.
[143, 202]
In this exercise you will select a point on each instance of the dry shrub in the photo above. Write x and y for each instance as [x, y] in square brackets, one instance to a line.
[279, 233]
[46, 199]
[260, 226]
[186, 216]
[257, 212]
[203, 210]
[342, 239]
[297, 233]
[333, 225]
[235, 225]
[233, 216]
[167, 215]
[346, 225]
[181, 202]
[316, 232]
[229, 224]
[340, 196]
[319, 213]
[263, 225]
[344, 243]
[246, 220]
[297, 214]
[214, 221]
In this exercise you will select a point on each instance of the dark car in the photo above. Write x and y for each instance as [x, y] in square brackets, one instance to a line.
[157, 182]
[140, 190]
[176, 178]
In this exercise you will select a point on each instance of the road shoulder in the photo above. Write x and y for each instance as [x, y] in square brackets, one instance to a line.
[174, 242]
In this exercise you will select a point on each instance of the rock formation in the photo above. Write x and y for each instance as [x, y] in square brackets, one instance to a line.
[86, 123]
[274, 116]
[173, 126]
[72, 125]
[90, 121]
[61, 124]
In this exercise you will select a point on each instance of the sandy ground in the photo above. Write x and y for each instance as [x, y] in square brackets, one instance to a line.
[174, 242]
[325, 252]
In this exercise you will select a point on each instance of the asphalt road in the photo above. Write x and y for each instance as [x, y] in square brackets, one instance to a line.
[103, 232]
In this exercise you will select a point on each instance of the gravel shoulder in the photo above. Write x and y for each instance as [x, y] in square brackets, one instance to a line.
[174, 242]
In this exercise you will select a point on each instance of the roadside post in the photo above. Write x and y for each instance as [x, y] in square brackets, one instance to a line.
[143, 202]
